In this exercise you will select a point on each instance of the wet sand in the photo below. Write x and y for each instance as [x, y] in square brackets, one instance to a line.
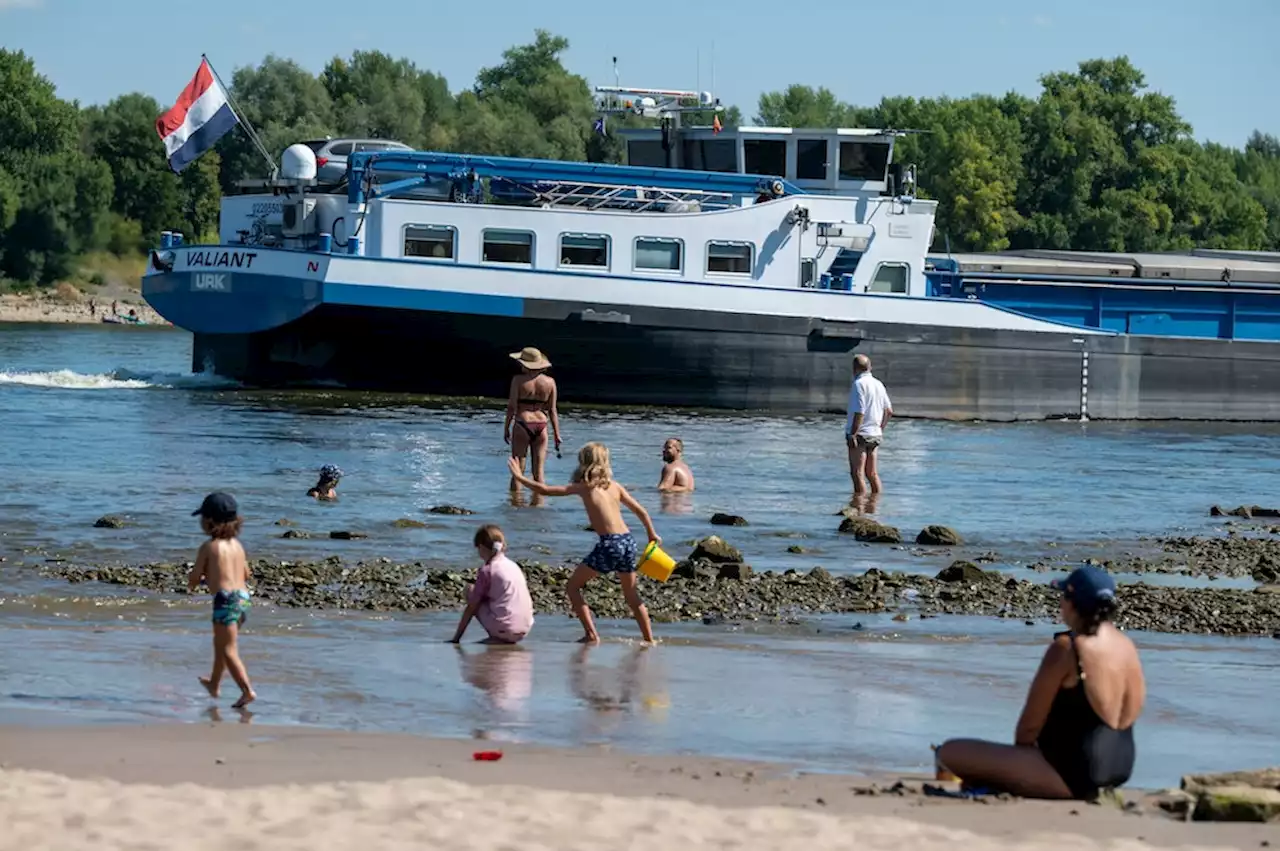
[77, 787]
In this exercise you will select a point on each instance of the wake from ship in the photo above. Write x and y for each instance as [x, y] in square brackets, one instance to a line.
[119, 379]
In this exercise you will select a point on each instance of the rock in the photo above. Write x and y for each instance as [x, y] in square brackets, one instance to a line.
[819, 574]
[1267, 589]
[295, 533]
[734, 571]
[714, 549]
[1237, 803]
[719, 519]
[407, 523]
[795, 548]
[343, 535]
[449, 509]
[1266, 570]
[961, 571]
[1215, 511]
[696, 569]
[109, 521]
[1175, 802]
[939, 536]
[871, 531]
[1263, 778]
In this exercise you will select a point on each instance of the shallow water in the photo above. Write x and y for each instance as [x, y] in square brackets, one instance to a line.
[106, 420]
[822, 696]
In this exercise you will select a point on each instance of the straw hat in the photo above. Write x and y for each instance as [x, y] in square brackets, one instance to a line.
[531, 358]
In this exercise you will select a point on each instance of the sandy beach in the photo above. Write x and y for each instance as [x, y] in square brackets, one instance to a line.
[244, 785]
[44, 308]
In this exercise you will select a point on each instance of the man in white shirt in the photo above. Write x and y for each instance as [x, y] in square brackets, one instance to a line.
[869, 412]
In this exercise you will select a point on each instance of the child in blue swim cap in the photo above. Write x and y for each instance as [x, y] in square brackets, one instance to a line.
[327, 487]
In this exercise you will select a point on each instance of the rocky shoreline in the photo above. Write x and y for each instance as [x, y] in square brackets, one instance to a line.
[715, 591]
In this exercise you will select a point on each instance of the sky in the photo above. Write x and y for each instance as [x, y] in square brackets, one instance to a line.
[1218, 60]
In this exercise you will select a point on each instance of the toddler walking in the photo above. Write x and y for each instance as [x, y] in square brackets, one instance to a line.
[615, 552]
[500, 597]
[221, 564]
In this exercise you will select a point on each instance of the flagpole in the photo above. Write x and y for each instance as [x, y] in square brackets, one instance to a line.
[244, 122]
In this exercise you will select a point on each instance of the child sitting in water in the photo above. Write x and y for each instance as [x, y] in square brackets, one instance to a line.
[222, 566]
[500, 598]
[615, 552]
[327, 487]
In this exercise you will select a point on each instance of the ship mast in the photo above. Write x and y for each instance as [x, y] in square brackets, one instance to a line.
[667, 105]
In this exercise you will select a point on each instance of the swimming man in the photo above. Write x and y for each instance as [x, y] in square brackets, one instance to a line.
[676, 475]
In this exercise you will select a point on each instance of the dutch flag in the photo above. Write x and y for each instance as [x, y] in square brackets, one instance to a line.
[201, 117]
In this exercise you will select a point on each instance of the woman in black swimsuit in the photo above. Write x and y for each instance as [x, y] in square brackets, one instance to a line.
[1075, 736]
[531, 407]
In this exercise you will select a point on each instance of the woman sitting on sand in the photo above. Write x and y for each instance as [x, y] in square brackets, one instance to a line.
[531, 406]
[1075, 736]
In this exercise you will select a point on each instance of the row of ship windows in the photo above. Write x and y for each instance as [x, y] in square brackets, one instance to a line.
[578, 250]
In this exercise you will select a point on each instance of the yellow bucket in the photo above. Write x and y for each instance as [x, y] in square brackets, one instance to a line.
[656, 564]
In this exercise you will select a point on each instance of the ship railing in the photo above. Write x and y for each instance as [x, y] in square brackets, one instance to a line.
[601, 196]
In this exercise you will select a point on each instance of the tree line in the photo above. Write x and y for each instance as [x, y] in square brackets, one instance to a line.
[1095, 161]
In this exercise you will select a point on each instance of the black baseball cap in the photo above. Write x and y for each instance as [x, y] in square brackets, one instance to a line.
[218, 507]
[1086, 587]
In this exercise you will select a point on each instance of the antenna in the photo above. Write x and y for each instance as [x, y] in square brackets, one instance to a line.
[713, 65]
[617, 81]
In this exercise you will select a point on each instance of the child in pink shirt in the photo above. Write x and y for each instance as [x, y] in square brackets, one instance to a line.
[500, 598]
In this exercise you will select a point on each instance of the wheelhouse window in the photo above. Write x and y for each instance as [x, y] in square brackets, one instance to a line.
[507, 246]
[710, 155]
[434, 242]
[811, 159]
[730, 258]
[890, 278]
[659, 254]
[647, 153]
[584, 249]
[765, 156]
[863, 160]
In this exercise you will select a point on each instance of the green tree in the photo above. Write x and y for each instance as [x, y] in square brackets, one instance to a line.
[376, 96]
[802, 106]
[122, 135]
[528, 105]
[285, 104]
[34, 121]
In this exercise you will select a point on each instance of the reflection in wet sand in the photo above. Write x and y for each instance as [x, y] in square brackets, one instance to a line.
[610, 694]
[504, 674]
[215, 715]
[533, 500]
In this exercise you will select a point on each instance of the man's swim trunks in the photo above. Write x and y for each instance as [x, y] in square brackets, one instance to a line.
[613, 554]
[231, 607]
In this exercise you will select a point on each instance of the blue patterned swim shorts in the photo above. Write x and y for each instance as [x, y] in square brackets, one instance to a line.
[613, 554]
[231, 607]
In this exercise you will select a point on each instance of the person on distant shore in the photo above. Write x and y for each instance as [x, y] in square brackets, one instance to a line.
[1075, 736]
[615, 552]
[326, 488]
[499, 599]
[222, 566]
[531, 407]
[869, 412]
[676, 475]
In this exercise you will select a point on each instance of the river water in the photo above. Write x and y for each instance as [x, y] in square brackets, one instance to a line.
[100, 421]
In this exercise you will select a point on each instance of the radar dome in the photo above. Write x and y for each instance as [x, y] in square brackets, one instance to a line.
[298, 163]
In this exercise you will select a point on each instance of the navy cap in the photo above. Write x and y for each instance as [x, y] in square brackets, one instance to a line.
[218, 507]
[1086, 587]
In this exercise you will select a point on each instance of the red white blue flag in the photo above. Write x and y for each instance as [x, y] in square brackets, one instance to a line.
[201, 117]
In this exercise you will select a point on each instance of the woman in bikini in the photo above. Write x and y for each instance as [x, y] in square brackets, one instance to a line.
[531, 407]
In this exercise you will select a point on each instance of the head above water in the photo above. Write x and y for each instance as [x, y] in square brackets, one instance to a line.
[1088, 598]
[531, 359]
[330, 474]
[593, 466]
[861, 364]
[672, 449]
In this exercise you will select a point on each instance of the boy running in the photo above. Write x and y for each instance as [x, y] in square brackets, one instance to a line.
[615, 552]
